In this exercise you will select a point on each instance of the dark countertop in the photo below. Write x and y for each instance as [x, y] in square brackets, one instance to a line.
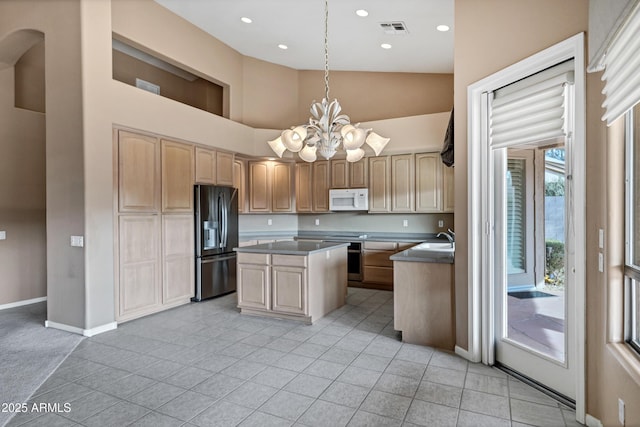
[291, 248]
[415, 255]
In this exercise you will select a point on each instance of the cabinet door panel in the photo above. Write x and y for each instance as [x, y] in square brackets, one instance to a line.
[282, 188]
[178, 258]
[428, 182]
[402, 183]
[448, 189]
[224, 168]
[138, 173]
[139, 253]
[254, 286]
[259, 187]
[205, 166]
[358, 177]
[339, 173]
[379, 180]
[177, 177]
[381, 275]
[304, 192]
[239, 181]
[321, 186]
[289, 290]
[377, 258]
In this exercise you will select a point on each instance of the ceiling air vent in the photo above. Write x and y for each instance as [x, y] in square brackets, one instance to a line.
[394, 27]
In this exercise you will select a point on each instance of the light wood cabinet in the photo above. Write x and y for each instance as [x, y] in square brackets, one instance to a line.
[270, 187]
[379, 184]
[138, 265]
[339, 173]
[282, 188]
[304, 189]
[320, 184]
[177, 181]
[259, 187]
[224, 168]
[448, 187]
[302, 287]
[213, 167]
[254, 281]
[402, 183]
[138, 172]
[428, 182]
[376, 265]
[358, 177]
[239, 182]
[205, 166]
[178, 267]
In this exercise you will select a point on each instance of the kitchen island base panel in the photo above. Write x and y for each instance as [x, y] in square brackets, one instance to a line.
[423, 303]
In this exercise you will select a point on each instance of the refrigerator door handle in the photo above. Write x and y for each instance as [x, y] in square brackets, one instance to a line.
[216, 259]
[225, 218]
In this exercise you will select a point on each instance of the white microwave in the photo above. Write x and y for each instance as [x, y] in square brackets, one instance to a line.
[351, 199]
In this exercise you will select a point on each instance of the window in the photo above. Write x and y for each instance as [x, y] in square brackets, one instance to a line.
[632, 240]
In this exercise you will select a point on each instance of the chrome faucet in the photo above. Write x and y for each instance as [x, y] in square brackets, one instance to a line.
[450, 235]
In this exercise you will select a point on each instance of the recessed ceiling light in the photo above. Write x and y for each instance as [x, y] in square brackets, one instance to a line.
[283, 46]
[442, 28]
[362, 12]
[385, 46]
[246, 20]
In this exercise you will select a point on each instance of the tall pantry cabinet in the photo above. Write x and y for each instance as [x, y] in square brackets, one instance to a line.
[154, 227]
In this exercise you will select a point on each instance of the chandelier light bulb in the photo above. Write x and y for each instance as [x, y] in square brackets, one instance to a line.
[308, 153]
[355, 155]
[277, 146]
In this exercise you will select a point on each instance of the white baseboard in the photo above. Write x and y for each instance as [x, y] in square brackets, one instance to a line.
[465, 354]
[21, 303]
[85, 332]
[592, 421]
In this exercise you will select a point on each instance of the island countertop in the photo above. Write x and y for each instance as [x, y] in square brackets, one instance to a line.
[291, 248]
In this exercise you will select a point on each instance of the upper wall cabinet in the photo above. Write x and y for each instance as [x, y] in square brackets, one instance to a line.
[428, 182]
[402, 183]
[321, 186]
[448, 188]
[213, 167]
[177, 173]
[339, 173]
[379, 184]
[138, 172]
[239, 182]
[304, 189]
[270, 187]
[358, 177]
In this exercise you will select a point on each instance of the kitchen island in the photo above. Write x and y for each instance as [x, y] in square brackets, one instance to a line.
[423, 297]
[292, 279]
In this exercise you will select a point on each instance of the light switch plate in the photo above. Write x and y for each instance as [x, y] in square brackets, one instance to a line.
[3, 235]
[601, 238]
[405, 222]
[440, 223]
[77, 241]
[317, 221]
[269, 221]
[600, 262]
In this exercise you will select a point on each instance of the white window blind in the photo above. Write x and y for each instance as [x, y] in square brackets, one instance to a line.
[516, 216]
[534, 109]
[622, 69]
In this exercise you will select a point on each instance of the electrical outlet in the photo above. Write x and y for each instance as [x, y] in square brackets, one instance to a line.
[621, 411]
[317, 221]
[77, 241]
[405, 222]
[440, 223]
[600, 262]
[269, 221]
[3, 235]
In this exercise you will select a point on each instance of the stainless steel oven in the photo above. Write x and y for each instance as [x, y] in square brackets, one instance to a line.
[354, 261]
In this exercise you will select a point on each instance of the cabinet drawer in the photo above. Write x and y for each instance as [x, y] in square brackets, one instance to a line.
[382, 275]
[381, 246]
[289, 260]
[377, 258]
[251, 258]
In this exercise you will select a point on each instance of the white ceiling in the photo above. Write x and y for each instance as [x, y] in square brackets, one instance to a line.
[354, 42]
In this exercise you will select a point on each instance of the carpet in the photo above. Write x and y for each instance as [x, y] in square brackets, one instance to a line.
[530, 294]
[29, 352]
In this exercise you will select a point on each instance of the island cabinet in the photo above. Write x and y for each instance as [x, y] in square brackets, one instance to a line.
[300, 287]
[423, 301]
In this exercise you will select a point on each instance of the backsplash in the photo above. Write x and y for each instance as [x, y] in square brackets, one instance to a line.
[346, 221]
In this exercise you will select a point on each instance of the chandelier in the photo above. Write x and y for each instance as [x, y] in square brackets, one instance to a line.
[327, 128]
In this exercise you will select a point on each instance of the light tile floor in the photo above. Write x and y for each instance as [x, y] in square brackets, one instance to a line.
[204, 364]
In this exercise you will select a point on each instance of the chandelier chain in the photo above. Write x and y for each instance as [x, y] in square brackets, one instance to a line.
[326, 50]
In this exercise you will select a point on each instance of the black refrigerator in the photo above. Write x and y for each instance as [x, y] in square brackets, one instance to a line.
[216, 227]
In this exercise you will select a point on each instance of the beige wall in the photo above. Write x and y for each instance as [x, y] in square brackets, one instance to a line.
[22, 198]
[375, 96]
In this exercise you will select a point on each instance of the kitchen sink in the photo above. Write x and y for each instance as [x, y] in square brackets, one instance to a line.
[435, 246]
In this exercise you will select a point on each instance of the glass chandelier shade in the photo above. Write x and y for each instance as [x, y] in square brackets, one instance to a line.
[327, 130]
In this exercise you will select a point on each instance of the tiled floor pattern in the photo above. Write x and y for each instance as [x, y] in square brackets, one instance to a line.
[204, 364]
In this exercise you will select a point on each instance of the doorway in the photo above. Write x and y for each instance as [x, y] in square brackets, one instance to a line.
[526, 161]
